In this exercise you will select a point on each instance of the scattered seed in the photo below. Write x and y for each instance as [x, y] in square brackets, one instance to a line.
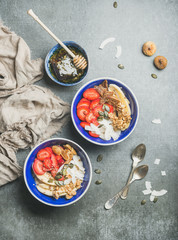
[107, 108]
[101, 113]
[71, 165]
[58, 176]
[104, 106]
[115, 4]
[50, 180]
[98, 182]
[100, 158]
[100, 125]
[154, 75]
[100, 118]
[58, 183]
[120, 66]
[105, 113]
[143, 202]
[155, 200]
[97, 171]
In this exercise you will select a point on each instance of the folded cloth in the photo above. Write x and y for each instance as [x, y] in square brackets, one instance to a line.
[16, 67]
[28, 113]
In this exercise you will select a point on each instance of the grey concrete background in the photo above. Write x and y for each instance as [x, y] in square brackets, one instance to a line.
[89, 23]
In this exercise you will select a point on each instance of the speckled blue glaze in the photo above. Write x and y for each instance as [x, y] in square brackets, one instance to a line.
[58, 46]
[30, 182]
[133, 106]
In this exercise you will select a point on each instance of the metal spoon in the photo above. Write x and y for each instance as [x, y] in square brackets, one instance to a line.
[138, 155]
[138, 174]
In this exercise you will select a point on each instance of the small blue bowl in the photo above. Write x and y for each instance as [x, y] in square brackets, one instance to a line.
[30, 181]
[58, 46]
[133, 106]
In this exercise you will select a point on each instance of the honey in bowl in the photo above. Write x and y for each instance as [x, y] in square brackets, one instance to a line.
[62, 68]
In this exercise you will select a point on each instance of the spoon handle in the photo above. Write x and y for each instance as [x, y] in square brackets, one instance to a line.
[110, 203]
[125, 191]
[35, 17]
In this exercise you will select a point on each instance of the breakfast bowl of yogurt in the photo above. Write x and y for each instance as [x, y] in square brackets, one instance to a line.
[57, 172]
[59, 65]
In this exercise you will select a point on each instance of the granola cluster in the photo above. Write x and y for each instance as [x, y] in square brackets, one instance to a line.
[120, 117]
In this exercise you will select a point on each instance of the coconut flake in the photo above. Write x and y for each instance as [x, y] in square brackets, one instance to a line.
[159, 193]
[156, 121]
[152, 197]
[119, 51]
[157, 161]
[146, 192]
[106, 41]
[148, 185]
[163, 173]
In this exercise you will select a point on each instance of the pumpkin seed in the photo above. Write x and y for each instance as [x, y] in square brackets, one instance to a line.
[100, 125]
[120, 66]
[115, 4]
[98, 182]
[100, 118]
[50, 180]
[143, 202]
[100, 158]
[101, 113]
[58, 183]
[58, 176]
[154, 75]
[103, 106]
[107, 108]
[105, 114]
[64, 171]
[71, 165]
[97, 171]
[155, 200]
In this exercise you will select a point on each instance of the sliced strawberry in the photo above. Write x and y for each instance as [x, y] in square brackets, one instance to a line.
[47, 163]
[94, 103]
[38, 167]
[97, 109]
[93, 134]
[91, 94]
[84, 124]
[84, 100]
[49, 149]
[82, 112]
[42, 154]
[54, 171]
[60, 160]
[54, 161]
[111, 109]
[90, 117]
[95, 122]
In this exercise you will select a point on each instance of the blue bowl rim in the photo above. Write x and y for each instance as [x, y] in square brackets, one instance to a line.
[94, 80]
[47, 69]
[90, 166]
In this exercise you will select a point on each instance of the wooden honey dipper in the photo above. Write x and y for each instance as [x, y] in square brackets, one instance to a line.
[79, 61]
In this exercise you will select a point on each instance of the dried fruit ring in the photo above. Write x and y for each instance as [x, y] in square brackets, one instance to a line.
[160, 62]
[149, 48]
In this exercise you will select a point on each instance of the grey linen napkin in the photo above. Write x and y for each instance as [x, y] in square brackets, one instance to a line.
[28, 113]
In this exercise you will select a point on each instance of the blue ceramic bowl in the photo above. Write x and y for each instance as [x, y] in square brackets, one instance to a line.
[30, 182]
[47, 64]
[133, 105]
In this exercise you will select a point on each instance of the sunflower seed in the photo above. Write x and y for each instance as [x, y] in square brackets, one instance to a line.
[99, 158]
[98, 182]
[100, 125]
[143, 202]
[97, 171]
[155, 200]
[115, 4]
[154, 75]
[120, 66]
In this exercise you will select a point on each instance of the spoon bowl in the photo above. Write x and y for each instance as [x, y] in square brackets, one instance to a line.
[138, 174]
